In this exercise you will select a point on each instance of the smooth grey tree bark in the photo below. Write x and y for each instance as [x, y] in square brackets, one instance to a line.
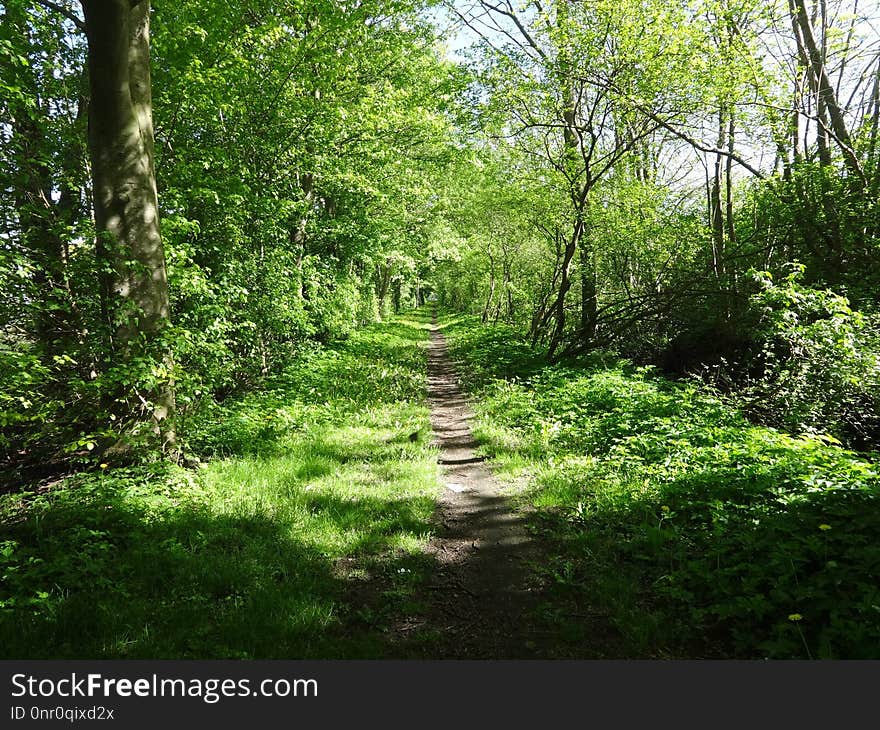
[124, 188]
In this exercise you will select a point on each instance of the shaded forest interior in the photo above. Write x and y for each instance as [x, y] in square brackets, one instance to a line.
[650, 232]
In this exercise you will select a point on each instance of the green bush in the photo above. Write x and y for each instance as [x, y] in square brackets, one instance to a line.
[699, 532]
[819, 366]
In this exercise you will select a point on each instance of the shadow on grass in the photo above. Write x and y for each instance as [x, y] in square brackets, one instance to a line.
[698, 533]
[312, 552]
[301, 547]
[717, 563]
[378, 368]
[132, 578]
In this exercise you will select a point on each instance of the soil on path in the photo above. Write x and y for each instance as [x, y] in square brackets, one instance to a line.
[480, 595]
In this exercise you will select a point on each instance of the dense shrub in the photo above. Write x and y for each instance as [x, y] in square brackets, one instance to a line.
[724, 537]
[818, 369]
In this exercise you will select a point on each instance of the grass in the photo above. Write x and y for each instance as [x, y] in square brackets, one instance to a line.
[695, 532]
[300, 536]
[687, 530]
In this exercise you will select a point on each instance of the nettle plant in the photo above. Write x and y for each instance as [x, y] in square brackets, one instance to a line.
[819, 366]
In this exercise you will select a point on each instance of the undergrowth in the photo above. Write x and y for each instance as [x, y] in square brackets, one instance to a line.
[310, 487]
[698, 533]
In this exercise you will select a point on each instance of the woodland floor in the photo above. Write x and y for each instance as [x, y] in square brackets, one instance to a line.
[342, 511]
[480, 594]
[358, 505]
[483, 599]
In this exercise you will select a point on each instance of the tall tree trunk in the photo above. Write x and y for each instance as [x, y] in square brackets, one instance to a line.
[124, 189]
[716, 206]
[728, 180]
[826, 95]
[571, 153]
[874, 122]
[812, 58]
[797, 97]
[732, 279]
[872, 231]
[508, 288]
[383, 284]
[589, 302]
[396, 294]
[558, 308]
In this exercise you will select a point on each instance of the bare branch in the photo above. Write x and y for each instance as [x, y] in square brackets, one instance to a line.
[516, 21]
[66, 12]
[699, 146]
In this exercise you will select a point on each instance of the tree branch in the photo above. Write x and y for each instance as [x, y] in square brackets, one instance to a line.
[698, 145]
[66, 12]
[516, 21]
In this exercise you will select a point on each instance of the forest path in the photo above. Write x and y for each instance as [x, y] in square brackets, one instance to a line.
[480, 597]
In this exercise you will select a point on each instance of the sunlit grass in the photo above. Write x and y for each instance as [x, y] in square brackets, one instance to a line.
[694, 531]
[314, 488]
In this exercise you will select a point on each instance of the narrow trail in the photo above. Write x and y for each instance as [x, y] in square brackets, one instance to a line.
[480, 597]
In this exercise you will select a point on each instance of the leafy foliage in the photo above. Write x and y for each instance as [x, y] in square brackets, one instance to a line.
[715, 531]
[820, 360]
[259, 554]
[297, 153]
[601, 180]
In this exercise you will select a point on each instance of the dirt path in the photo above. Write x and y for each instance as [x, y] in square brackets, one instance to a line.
[480, 595]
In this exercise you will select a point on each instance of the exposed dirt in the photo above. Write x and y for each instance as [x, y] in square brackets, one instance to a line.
[479, 596]
[482, 598]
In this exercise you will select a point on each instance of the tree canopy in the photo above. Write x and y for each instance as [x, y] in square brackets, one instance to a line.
[633, 205]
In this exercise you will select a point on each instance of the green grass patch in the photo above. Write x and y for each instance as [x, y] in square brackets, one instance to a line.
[300, 536]
[699, 533]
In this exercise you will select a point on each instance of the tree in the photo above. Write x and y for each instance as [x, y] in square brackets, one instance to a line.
[125, 197]
[44, 152]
